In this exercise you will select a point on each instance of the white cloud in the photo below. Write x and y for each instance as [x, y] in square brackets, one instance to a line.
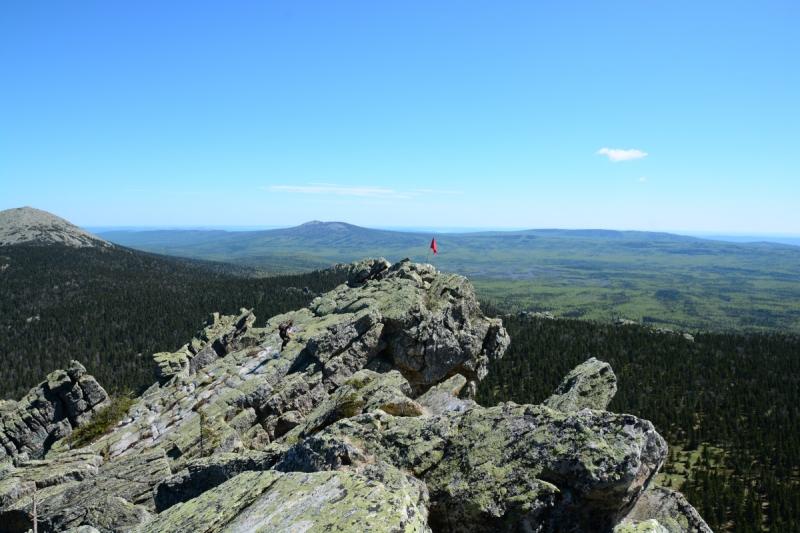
[433, 191]
[372, 192]
[615, 154]
[642, 179]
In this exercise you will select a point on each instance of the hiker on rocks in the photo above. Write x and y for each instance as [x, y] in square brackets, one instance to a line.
[285, 332]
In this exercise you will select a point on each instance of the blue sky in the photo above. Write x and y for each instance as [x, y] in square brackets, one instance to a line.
[476, 114]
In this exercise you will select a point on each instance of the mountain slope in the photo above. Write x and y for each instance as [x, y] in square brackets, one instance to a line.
[26, 224]
[112, 307]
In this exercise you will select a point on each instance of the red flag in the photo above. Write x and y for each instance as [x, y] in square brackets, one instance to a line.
[433, 246]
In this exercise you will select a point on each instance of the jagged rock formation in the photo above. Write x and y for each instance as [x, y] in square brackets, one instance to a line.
[26, 224]
[66, 400]
[363, 421]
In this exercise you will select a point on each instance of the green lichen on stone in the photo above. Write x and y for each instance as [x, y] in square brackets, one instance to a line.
[591, 385]
[260, 502]
[648, 526]
[356, 382]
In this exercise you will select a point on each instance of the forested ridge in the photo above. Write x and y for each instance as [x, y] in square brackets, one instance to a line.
[112, 308]
[731, 398]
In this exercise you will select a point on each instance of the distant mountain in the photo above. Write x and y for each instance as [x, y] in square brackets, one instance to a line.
[339, 241]
[494, 253]
[662, 279]
[26, 224]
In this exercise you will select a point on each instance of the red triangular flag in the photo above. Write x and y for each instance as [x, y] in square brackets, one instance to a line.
[433, 246]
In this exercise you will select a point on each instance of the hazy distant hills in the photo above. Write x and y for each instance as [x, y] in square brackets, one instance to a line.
[656, 278]
[323, 242]
[659, 279]
[26, 224]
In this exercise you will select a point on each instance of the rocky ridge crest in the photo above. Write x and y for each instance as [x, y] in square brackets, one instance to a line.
[364, 420]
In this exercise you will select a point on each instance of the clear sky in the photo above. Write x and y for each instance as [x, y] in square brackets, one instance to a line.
[670, 116]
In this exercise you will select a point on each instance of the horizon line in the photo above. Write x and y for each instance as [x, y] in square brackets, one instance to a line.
[422, 229]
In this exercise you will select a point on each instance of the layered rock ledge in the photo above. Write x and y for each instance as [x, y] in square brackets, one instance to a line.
[363, 421]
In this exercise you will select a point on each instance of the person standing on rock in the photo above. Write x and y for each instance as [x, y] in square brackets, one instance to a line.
[285, 332]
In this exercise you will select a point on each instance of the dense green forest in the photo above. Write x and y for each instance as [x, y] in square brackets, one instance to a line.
[726, 403]
[111, 309]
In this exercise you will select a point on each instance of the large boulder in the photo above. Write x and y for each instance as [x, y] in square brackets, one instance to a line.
[506, 468]
[591, 385]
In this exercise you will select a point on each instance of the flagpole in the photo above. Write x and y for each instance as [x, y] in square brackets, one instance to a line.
[431, 247]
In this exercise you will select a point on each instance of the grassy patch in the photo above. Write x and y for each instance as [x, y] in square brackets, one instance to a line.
[103, 421]
[356, 383]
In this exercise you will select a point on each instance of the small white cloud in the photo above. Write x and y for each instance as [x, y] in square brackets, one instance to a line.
[375, 192]
[372, 192]
[433, 191]
[615, 154]
[642, 179]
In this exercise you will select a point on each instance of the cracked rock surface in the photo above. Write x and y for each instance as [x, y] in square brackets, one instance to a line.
[364, 421]
[49, 412]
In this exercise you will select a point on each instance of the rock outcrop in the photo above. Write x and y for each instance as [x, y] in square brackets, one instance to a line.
[65, 401]
[363, 421]
[590, 385]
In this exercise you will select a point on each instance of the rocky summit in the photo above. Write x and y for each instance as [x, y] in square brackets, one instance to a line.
[29, 225]
[354, 414]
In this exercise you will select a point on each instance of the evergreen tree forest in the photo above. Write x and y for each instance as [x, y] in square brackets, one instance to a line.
[111, 309]
[731, 397]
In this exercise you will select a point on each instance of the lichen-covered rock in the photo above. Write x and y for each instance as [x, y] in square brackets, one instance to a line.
[167, 365]
[74, 504]
[365, 391]
[82, 529]
[591, 385]
[219, 337]
[362, 421]
[207, 473]
[670, 509]
[648, 526]
[378, 499]
[432, 324]
[444, 397]
[67, 399]
[72, 466]
[117, 496]
[368, 269]
[505, 468]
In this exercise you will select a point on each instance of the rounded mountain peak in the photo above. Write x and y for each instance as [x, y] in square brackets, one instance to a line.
[27, 224]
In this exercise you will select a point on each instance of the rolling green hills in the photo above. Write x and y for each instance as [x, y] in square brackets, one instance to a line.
[658, 279]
